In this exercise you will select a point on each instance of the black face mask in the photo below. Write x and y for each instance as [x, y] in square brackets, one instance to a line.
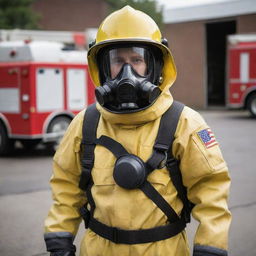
[127, 91]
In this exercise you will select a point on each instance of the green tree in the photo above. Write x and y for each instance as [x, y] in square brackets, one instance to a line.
[150, 7]
[17, 14]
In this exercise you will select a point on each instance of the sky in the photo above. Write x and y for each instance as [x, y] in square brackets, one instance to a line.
[185, 3]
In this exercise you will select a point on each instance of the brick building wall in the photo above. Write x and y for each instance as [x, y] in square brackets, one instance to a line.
[71, 15]
[246, 24]
[186, 41]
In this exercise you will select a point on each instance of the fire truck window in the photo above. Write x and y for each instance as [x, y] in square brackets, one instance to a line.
[41, 71]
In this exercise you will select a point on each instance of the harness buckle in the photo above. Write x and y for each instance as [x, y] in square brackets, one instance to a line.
[85, 178]
[172, 165]
[161, 149]
[87, 163]
[163, 162]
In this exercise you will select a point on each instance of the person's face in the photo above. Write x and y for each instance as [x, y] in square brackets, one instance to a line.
[133, 56]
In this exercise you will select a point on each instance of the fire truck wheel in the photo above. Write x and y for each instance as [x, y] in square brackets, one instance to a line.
[6, 144]
[58, 125]
[252, 105]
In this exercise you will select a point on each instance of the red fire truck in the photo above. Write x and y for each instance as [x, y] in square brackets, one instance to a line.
[42, 87]
[242, 72]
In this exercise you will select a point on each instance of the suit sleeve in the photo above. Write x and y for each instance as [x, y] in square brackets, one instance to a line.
[64, 217]
[205, 174]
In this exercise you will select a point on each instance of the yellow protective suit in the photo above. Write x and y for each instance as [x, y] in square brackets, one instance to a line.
[203, 169]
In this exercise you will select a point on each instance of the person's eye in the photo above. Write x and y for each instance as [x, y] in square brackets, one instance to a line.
[118, 61]
[137, 60]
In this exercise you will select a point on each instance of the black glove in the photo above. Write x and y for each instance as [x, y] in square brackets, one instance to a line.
[60, 244]
[204, 250]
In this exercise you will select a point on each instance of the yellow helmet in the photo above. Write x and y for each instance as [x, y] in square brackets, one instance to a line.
[128, 25]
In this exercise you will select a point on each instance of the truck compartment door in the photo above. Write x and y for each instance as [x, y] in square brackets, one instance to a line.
[49, 89]
[76, 89]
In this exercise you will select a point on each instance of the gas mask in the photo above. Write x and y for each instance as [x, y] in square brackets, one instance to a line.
[130, 78]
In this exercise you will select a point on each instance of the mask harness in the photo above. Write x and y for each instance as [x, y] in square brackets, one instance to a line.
[130, 172]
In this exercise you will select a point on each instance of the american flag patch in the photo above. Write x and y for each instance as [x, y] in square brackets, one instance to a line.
[208, 138]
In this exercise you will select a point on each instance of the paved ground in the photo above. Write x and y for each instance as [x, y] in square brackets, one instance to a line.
[25, 195]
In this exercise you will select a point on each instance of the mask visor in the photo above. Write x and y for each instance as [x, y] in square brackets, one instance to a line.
[116, 58]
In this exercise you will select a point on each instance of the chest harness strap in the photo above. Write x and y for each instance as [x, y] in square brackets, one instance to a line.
[130, 172]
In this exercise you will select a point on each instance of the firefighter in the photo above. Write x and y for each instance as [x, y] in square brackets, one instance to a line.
[133, 69]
